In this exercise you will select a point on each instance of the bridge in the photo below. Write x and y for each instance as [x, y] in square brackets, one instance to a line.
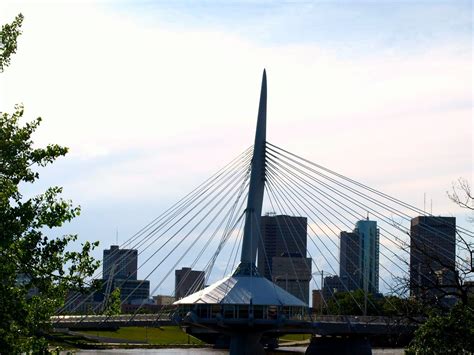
[210, 226]
[321, 325]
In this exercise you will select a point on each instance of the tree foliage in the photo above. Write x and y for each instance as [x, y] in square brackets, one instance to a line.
[113, 306]
[36, 270]
[352, 303]
[8, 43]
[452, 333]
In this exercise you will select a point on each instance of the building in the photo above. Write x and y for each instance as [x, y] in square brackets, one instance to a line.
[291, 274]
[282, 253]
[318, 301]
[187, 281]
[332, 285]
[120, 271]
[350, 261]
[359, 257]
[132, 291]
[432, 254]
[164, 300]
[121, 263]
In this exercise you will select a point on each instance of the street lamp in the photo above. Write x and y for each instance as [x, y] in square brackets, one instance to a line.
[321, 288]
[365, 284]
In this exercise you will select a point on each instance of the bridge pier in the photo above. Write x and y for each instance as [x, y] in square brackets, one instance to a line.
[348, 345]
[246, 344]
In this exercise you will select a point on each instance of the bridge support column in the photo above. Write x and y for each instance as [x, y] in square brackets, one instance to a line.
[339, 345]
[246, 344]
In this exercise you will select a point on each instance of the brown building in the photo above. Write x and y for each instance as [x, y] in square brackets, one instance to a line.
[164, 300]
[318, 301]
[293, 275]
[187, 281]
[282, 253]
[432, 254]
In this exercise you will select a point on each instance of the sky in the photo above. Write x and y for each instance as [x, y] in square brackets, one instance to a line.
[152, 97]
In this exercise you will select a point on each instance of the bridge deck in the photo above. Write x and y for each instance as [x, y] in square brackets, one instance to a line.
[323, 325]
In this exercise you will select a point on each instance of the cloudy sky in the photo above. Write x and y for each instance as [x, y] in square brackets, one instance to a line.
[154, 96]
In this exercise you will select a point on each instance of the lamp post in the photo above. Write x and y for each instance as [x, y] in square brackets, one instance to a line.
[365, 285]
[321, 288]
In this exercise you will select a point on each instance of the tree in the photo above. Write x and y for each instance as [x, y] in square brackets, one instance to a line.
[452, 333]
[36, 271]
[352, 303]
[113, 305]
[462, 196]
[8, 43]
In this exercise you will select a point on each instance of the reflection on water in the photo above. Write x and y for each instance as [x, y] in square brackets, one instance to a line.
[209, 351]
[154, 351]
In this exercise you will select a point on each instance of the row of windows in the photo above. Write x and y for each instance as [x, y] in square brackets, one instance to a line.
[206, 311]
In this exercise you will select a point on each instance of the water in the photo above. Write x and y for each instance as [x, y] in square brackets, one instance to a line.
[207, 351]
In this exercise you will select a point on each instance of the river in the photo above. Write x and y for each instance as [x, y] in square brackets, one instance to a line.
[207, 351]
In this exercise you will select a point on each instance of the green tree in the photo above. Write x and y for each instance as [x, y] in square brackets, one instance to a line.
[36, 271]
[399, 306]
[452, 333]
[113, 306]
[352, 303]
[8, 43]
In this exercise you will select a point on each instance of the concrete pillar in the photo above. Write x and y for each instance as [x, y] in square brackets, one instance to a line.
[246, 344]
[353, 345]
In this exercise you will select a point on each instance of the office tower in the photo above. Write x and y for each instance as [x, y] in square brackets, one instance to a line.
[359, 257]
[350, 261]
[120, 271]
[121, 263]
[432, 254]
[282, 254]
[187, 281]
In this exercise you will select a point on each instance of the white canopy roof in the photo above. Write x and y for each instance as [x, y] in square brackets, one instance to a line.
[240, 290]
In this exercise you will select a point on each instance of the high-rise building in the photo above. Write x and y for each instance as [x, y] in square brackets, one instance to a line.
[120, 271]
[432, 254]
[282, 254]
[187, 281]
[359, 257]
[121, 263]
[350, 261]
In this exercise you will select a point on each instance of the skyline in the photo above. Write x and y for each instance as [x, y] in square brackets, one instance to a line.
[126, 134]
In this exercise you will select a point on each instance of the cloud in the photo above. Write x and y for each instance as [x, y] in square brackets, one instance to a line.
[149, 110]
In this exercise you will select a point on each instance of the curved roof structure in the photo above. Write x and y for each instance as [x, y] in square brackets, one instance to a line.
[240, 289]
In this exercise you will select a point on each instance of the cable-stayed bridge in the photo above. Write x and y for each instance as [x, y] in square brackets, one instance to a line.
[217, 227]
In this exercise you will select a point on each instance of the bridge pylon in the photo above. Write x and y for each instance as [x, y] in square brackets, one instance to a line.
[245, 305]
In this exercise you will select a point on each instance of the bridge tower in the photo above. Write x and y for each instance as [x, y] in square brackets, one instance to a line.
[245, 305]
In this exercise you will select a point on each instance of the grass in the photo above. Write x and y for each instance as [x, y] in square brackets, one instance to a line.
[166, 335]
[65, 341]
[295, 337]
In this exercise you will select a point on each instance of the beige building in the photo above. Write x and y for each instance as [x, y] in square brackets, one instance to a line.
[164, 300]
[293, 274]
